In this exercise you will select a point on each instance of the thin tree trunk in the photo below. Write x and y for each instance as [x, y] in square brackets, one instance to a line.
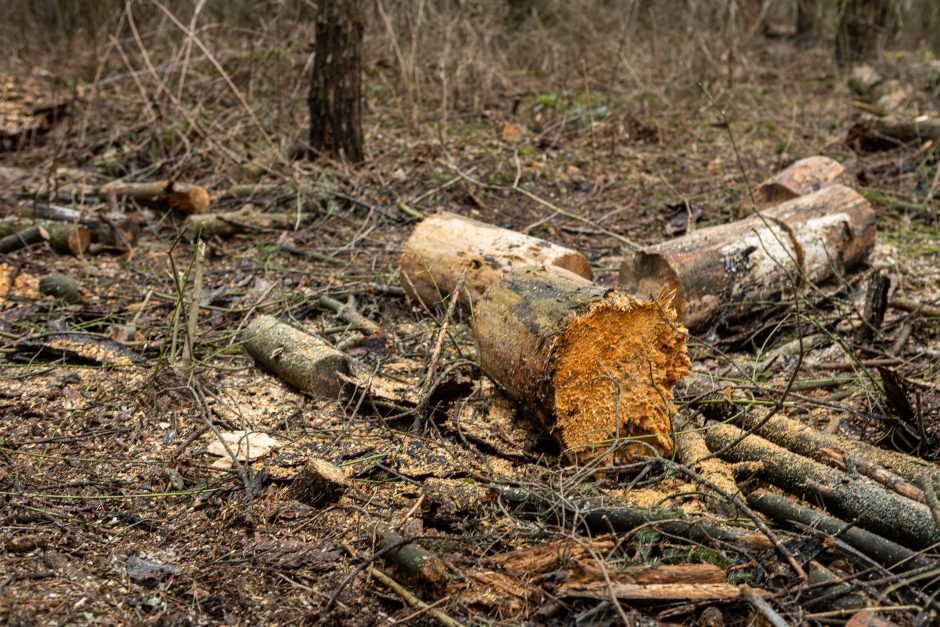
[336, 88]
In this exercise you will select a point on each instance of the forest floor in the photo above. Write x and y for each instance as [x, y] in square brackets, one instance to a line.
[116, 504]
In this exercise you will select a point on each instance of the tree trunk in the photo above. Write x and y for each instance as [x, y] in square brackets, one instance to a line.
[593, 364]
[336, 88]
[862, 29]
[445, 246]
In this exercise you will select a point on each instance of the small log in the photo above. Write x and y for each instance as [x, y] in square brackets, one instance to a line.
[693, 452]
[412, 557]
[884, 551]
[883, 476]
[799, 179]
[22, 239]
[718, 271]
[182, 197]
[244, 220]
[834, 227]
[445, 246]
[874, 508]
[593, 364]
[829, 593]
[110, 229]
[300, 359]
[63, 238]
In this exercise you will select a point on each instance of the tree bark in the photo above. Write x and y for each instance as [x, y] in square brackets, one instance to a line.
[875, 509]
[799, 179]
[593, 364]
[445, 246]
[300, 359]
[335, 99]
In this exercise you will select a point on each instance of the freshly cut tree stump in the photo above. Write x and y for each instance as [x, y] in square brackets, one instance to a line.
[244, 220]
[834, 227]
[300, 359]
[182, 197]
[718, 270]
[444, 246]
[593, 364]
[800, 178]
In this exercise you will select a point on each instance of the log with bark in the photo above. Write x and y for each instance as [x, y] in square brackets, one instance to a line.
[111, 230]
[875, 133]
[445, 246]
[800, 178]
[860, 499]
[301, 359]
[245, 220]
[63, 238]
[182, 197]
[594, 365]
[724, 271]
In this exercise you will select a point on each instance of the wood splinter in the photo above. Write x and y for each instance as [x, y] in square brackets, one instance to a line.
[593, 364]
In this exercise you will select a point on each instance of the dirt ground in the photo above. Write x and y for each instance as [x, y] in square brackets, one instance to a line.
[117, 506]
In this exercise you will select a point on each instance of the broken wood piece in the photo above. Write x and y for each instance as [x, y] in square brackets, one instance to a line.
[799, 179]
[181, 197]
[862, 500]
[63, 238]
[319, 483]
[589, 570]
[245, 220]
[300, 359]
[685, 592]
[874, 472]
[882, 550]
[77, 347]
[919, 309]
[876, 303]
[413, 558]
[693, 452]
[348, 313]
[718, 271]
[593, 364]
[831, 591]
[445, 246]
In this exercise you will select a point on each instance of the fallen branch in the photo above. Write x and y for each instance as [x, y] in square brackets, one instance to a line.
[244, 220]
[63, 238]
[686, 592]
[594, 365]
[348, 313]
[863, 500]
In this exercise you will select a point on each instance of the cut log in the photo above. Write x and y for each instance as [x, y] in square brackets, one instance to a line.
[182, 197]
[718, 271]
[834, 227]
[593, 364]
[63, 238]
[22, 239]
[799, 179]
[685, 592]
[412, 558]
[861, 499]
[109, 229]
[444, 246]
[300, 359]
[319, 483]
[245, 220]
[725, 270]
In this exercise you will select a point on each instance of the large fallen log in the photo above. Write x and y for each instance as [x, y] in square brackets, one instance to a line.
[861, 499]
[799, 179]
[593, 364]
[717, 271]
[445, 246]
[302, 360]
[725, 270]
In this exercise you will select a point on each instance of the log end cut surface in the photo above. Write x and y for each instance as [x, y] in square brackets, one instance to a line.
[615, 368]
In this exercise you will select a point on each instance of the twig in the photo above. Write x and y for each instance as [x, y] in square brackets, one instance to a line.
[411, 599]
[762, 606]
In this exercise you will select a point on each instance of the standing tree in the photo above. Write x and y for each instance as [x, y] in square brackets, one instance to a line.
[863, 27]
[336, 87]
